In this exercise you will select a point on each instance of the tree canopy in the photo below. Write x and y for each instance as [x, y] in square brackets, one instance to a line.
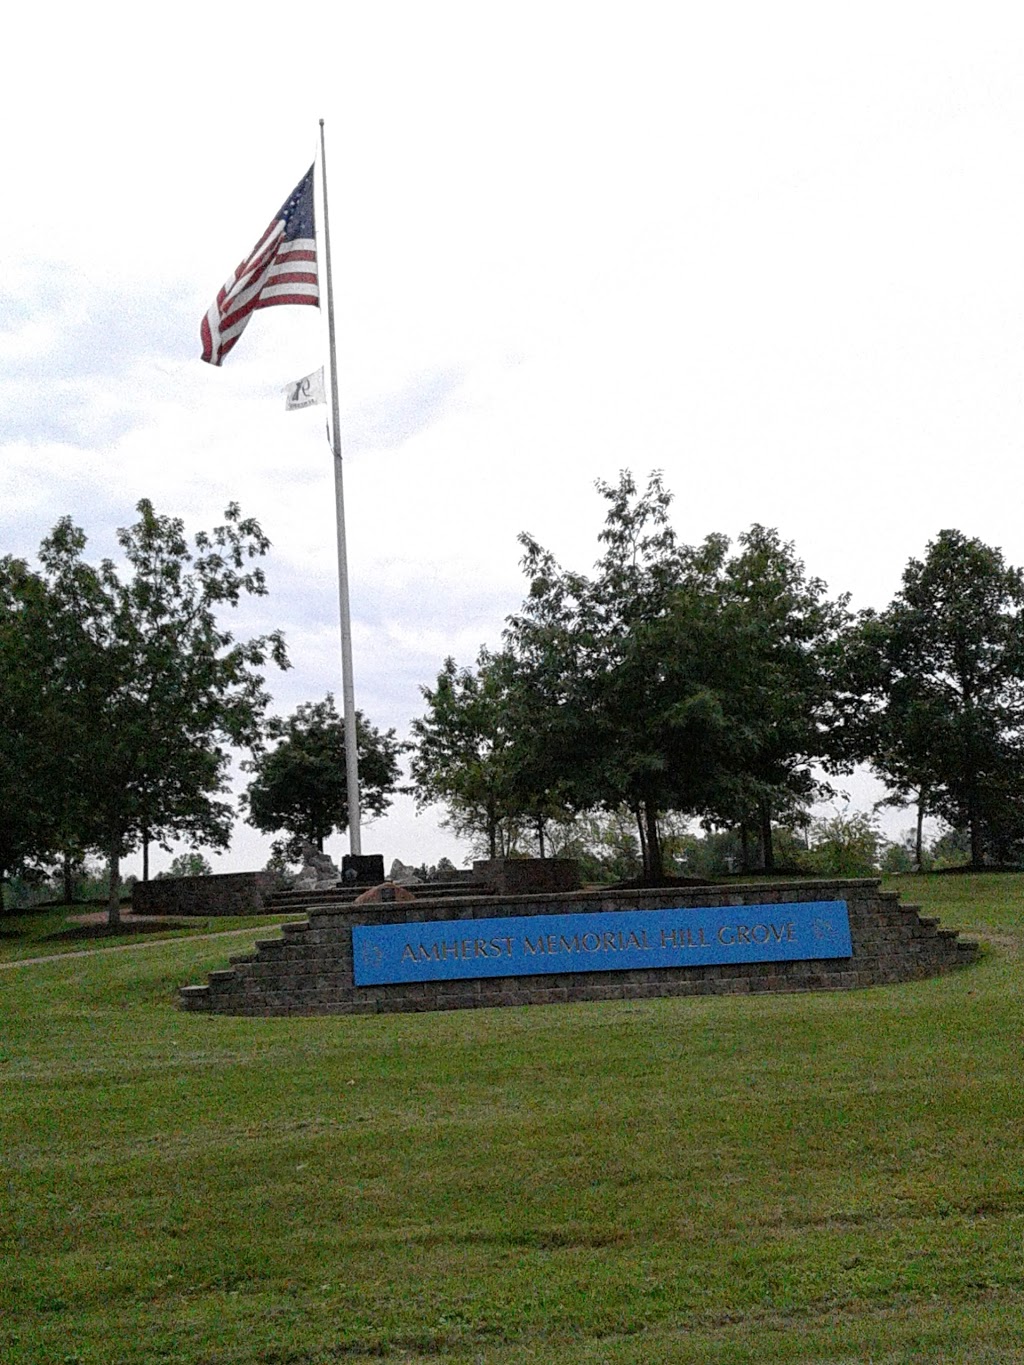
[725, 684]
[141, 690]
[673, 678]
[299, 787]
[942, 672]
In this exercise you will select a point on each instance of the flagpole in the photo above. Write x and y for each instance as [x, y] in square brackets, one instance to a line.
[347, 685]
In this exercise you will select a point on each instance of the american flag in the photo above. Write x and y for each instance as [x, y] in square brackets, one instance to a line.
[281, 268]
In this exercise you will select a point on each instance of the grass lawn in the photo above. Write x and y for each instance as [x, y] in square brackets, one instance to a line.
[831, 1177]
[44, 933]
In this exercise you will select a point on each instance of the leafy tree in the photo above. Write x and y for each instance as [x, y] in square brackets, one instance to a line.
[943, 673]
[472, 752]
[22, 824]
[299, 786]
[899, 856]
[458, 751]
[784, 642]
[673, 680]
[160, 689]
[187, 865]
[951, 849]
[606, 845]
[44, 713]
[679, 678]
[630, 720]
[844, 845]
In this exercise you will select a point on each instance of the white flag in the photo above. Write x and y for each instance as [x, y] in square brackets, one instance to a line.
[305, 393]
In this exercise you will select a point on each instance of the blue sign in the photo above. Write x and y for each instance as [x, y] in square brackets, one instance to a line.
[621, 940]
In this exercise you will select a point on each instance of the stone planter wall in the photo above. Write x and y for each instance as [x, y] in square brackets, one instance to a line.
[528, 876]
[309, 969]
[223, 893]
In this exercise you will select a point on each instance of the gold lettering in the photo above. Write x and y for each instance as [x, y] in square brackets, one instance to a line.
[533, 948]
[588, 948]
[569, 945]
[407, 953]
[609, 941]
[727, 934]
[480, 948]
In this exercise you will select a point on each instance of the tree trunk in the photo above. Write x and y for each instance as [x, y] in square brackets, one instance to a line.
[638, 816]
[492, 831]
[977, 837]
[114, 898]
[540, 836]
[919, 834]
[68, 874]
[767, 842]
[654, 870]
[145, 855]
[744, 846]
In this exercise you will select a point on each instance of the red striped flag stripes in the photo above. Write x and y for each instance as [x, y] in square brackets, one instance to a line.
[281, 268]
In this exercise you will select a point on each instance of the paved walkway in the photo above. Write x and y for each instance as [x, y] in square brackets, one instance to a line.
[129, 947]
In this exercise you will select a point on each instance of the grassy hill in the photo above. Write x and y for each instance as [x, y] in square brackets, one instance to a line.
[833, 1177]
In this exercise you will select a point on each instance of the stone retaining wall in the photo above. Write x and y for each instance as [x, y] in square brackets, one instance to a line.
[529, 876]
[309, 969]
[222, 893]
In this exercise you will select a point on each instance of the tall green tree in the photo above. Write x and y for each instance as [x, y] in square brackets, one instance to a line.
[163, 690]
[28, 771]
[299, 787]
[942, 670]
[672, 680]
[632, 719]
[785, 643]
[463, 751]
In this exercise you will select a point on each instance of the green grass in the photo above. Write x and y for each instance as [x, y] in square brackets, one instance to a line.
[44, 933]
[830, 1177]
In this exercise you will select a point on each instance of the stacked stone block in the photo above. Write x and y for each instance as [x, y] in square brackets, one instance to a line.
[222, 893]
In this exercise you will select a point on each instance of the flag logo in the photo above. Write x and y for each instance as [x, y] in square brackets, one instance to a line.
[281, 268]
[304, 393]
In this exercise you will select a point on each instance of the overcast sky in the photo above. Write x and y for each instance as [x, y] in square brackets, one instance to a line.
[776, 251]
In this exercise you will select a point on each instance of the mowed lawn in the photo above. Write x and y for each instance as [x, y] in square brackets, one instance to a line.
[821, 1177]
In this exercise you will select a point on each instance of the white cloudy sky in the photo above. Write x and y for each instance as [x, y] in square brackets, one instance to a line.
[776, 251]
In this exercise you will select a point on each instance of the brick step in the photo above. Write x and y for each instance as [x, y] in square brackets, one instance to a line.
[286, 901]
